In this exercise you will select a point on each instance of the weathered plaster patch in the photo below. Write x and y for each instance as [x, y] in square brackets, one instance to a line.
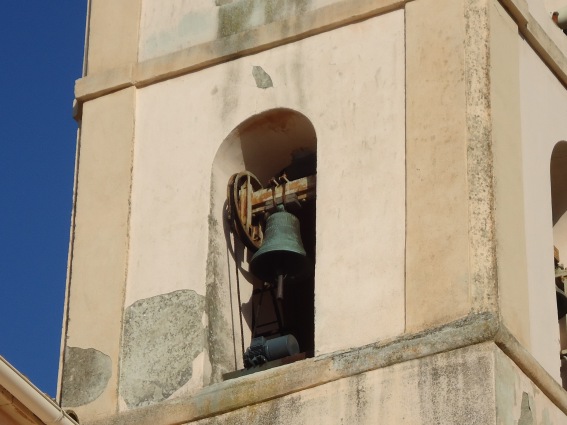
[443, 394]
[526, 416]
[162, 336]
[186, 29]
[545, 419]
[86, 373]
[235, 17]
[263, 79]
[229, 101]
[201, 374]
[220, 336]
[358, 398]
[238, 16]
[282, 411]
[479, 157]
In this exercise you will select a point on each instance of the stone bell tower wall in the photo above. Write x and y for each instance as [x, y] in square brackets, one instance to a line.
[433, 123]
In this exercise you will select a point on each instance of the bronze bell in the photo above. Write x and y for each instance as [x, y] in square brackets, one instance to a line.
[281, 255]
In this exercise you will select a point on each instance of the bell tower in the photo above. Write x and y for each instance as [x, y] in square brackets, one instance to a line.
[318, 211]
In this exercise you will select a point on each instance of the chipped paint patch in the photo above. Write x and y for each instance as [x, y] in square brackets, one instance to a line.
[162, 337]
[442, 393]
[240, 15]
[263, 79]
[526, 416]
[86, 373]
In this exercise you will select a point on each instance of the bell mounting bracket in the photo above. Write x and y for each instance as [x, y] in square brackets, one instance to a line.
[248, 202]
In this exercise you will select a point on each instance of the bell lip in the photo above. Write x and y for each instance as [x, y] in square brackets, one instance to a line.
[305, 270]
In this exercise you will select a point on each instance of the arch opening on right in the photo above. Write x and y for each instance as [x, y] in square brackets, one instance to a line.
[276, 173]
[558, 177]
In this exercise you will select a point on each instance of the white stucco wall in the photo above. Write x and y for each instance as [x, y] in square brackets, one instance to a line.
[544, 123]
[518, 399]
[508, 165]
[350, 84]
[456, 387]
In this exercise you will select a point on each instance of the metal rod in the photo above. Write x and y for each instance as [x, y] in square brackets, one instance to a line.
[278, 310]
[280, 287]
[257, 314]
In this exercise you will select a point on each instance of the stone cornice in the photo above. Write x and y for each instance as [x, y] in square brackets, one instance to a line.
[228, 48]
[278, 382]
[282, 32]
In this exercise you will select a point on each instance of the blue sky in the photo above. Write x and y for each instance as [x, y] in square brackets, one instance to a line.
[41, 56]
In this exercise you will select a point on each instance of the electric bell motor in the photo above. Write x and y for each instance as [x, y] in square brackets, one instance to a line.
[263, 350]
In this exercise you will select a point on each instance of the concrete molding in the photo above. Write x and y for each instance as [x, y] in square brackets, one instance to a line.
[546, 49]
[531, 367]
[278, 382]
[225, 49]
[519, 10]
[279, 33]
[103, 83]
[479, 158]
[537, 38]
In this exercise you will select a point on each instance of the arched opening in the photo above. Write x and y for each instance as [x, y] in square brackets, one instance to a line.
[263, 145]
[557, 10]
[558, 177]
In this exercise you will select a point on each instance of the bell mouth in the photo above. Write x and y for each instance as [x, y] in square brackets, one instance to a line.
[270, 265]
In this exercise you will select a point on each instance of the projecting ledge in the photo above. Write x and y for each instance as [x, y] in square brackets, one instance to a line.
[246, 42]
[268, 36]
[97, 85]
[275, 383]
[537, 37]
